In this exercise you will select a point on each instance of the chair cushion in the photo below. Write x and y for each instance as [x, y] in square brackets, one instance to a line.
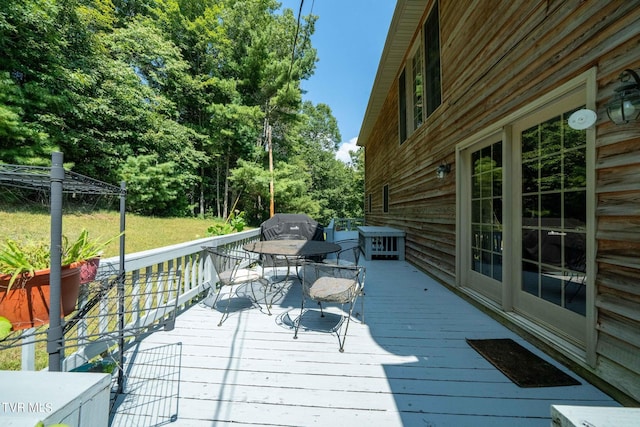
[339, 262]
[333, 289]
[242, 275]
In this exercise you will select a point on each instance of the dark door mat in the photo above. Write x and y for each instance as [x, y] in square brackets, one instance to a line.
[519, 364]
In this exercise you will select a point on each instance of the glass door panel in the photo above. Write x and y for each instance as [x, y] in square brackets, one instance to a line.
[486, 219]
[554, 213]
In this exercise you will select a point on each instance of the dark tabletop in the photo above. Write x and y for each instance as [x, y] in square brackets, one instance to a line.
[302, 248]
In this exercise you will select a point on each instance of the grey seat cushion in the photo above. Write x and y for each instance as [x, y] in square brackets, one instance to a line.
[333, 289]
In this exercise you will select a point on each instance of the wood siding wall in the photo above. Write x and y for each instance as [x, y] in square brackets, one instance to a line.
[498, 56]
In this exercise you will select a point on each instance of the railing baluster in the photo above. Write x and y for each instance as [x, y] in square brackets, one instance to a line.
[29, 350]
[148, 284]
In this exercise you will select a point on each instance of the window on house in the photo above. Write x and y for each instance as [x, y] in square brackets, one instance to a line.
[369, 203]
[416, 88]
[385, 199]
[432, 61]
[402, 102]
[420, 79]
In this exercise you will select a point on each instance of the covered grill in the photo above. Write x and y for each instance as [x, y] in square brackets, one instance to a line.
[291, 227]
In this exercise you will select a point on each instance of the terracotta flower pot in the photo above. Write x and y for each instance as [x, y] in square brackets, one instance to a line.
[26, 304]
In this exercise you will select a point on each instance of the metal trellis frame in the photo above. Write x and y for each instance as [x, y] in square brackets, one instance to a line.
[58, 181]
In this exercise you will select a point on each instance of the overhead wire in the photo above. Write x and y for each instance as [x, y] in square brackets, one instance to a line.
[295, 41]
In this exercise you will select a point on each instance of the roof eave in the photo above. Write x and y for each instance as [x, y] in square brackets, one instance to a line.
[402, 30]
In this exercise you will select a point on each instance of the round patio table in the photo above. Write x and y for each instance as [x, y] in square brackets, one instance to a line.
[292, 248]
[292, 251]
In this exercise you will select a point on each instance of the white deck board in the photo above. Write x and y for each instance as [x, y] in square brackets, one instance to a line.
[409, 365]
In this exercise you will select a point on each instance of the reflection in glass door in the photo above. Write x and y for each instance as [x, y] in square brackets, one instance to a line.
[485, 221]
[554, 214]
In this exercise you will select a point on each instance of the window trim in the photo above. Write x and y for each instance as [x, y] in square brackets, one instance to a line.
[430, 73]
[385, 198]
[417, 49]
[432, 69]
[402, 107]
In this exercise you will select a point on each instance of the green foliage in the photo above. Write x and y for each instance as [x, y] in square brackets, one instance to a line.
[235, 223]
[155, 188]
[5, 327]
[20, 258]
[173, 96]
[83, 247]
[17, 259]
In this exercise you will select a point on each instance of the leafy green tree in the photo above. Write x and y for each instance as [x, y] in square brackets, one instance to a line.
[336, 185]
[175, 97]
[40, 43]
[153, 187]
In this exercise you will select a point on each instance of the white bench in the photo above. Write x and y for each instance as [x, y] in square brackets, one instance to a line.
[597, 416]
[381, 241]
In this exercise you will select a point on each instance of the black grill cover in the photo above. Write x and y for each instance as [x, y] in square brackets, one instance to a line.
[291, 227]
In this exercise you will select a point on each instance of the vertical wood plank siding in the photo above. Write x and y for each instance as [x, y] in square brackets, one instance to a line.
[498, 56]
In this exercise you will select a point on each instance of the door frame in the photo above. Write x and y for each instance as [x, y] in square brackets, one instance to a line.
[490, 288]
[586, 85]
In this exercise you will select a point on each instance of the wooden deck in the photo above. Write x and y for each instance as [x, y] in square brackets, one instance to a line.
[409, 365]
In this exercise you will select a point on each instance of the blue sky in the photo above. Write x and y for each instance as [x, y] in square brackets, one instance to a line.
[349, 38]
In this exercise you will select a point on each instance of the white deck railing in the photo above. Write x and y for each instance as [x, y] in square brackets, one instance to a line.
[185, 264]
[148, 300]
[189, 259]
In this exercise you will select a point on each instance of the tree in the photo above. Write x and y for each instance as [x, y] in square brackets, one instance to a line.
[40, 42]
[174, 96]
[337, 186]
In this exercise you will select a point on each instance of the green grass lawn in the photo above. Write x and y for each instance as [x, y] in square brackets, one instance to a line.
[142, 233]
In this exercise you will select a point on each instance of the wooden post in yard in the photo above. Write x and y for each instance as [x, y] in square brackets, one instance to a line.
[271, 189]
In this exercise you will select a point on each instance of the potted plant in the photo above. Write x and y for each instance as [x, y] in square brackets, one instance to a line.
[84, 253]
[24, 278]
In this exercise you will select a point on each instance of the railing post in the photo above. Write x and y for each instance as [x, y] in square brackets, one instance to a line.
[29, 350]
[54, 335]
[330, 231]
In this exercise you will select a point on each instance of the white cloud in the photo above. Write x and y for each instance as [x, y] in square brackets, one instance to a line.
[345, 147]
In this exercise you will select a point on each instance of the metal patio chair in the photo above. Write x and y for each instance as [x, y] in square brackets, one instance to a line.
[331, 284]
[232, 269]
[349, 255]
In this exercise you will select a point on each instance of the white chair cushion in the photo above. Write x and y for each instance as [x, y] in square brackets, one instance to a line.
[242, 275]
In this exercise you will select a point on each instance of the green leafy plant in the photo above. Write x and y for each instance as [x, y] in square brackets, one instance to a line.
[5, 327]
[238, 223]
[234, 223]
[24, 259]
[83, 247]
[219, 229]
[17, 259]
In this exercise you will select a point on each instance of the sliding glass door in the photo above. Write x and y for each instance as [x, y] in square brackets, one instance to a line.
[552, 225]
[523, 228]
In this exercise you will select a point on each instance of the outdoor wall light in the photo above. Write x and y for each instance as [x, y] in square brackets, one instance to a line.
[443, 170]
[625, 105]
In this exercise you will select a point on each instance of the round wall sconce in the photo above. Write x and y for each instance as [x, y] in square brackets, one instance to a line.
[625, 105]
[443, 170]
